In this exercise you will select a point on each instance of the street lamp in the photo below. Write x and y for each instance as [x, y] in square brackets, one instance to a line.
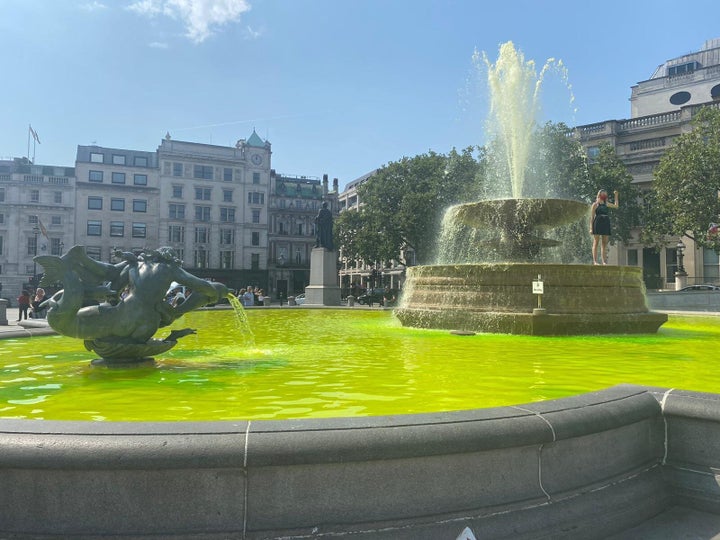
[61, 246]
[36, 232]
[680, 274]
[680, 249]
[281, 262]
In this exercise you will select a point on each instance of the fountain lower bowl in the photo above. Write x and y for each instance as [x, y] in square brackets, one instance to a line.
[498, 298]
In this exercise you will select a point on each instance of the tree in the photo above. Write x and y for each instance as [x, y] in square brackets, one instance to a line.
[403, 204]
[684, 195]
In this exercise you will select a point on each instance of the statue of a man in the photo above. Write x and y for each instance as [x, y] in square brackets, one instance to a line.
[324, 228]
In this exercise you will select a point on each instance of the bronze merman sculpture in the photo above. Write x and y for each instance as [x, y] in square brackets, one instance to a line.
[117, 308]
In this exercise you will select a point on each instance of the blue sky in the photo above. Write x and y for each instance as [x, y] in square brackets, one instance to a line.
[338, 87]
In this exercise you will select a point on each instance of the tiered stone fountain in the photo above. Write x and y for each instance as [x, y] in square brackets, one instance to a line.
[498, 297]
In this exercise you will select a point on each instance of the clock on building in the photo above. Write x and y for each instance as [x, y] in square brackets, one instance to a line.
[256, 159]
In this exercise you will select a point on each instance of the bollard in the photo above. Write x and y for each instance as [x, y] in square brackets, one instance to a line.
[351, 300]
[3, 312]
[291, 301]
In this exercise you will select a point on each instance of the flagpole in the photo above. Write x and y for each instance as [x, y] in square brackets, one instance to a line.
[28, 151]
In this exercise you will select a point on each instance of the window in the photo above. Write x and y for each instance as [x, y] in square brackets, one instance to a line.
[632, 257]
[140, 179]
[2, 194]
[139, 230]
[32, 245]
[227, 259]
[140, 161]
[177, 192]
[256, 178]
[139, 205]
[177, 169]
[118, 159]
[255, 261]
[95, 203]
[281, 228]
[117, 205]
[227, 215]
[96, 157]
[176, 233]
[201, 258]
[176, 211]
[34, 195]
[227, 174]
[255, 197]
[203, 194]
[55, 220]
[94, 228]
[2, 218]
[227, 195]
[33, 219]
[201, 235]
[298, 256]
[256, 216]
[227, 236]
[118, 178]
[255, 238]
[56, 246]
[95, 176]
[203, 171]
[94, 252]
[282, 203]
[202, 213]
[711, 266]
[300, 229]
[57, 197]
[117, 228]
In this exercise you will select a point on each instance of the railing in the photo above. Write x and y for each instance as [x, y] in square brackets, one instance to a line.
[594, 129]
[33, 179]
[5, 177]
[646, 144]
[649, 121]
[58, 180]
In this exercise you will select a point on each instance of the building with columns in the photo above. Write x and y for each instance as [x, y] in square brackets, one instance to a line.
[294, 203]
[662, 108]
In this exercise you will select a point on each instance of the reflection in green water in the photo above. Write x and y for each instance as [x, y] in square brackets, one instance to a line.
[322, 363]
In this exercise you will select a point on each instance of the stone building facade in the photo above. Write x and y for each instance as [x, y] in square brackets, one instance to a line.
[37, 217]
[662, 108]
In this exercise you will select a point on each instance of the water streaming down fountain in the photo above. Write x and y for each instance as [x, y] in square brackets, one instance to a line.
[463, 294]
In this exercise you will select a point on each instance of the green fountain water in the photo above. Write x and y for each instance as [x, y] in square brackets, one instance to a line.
[327, 363]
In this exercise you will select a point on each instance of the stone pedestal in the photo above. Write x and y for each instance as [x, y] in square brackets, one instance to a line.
[681, 279]
[3, 312]
[323, 289]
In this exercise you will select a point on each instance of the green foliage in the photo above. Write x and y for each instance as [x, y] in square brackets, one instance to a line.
[684, 196]
[402, 205]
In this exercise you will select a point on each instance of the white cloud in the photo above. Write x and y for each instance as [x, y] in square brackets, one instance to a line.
[158, 45]
[251, 33]
[92, 6]
[201, 17]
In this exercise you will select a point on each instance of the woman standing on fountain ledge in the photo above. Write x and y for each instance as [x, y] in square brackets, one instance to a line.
[600, 224]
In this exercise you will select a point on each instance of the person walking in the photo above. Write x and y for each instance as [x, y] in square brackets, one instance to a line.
[23, 304]
[600, 224]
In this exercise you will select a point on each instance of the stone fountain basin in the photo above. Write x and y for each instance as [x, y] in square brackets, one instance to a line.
[506, 214]
[582, 467]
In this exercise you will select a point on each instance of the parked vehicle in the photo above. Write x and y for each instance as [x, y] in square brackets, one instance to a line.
[373, 296]
[704, 287]
[300, 299]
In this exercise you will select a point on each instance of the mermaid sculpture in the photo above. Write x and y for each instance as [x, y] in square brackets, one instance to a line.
[117, 308]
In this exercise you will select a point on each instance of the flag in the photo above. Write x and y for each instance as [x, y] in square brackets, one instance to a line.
[34, 134]
[43, 230]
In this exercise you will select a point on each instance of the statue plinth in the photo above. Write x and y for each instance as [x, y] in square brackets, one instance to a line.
[323, 289]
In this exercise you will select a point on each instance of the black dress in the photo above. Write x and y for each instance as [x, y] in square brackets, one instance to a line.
[601, 221]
